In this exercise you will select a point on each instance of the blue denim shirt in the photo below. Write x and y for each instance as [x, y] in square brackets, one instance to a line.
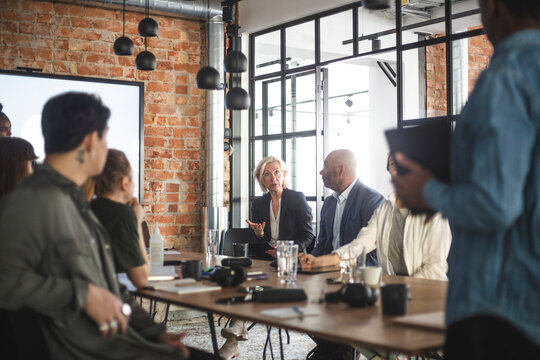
[493, 201]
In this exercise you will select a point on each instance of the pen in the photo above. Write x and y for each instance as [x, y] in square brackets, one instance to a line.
[298, 311]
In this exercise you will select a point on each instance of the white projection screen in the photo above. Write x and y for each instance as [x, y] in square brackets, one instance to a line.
[24, 94]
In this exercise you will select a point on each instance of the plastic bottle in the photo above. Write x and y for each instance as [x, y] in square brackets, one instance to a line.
[156, 248]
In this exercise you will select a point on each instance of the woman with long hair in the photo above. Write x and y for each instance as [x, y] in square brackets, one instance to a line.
[16, 162]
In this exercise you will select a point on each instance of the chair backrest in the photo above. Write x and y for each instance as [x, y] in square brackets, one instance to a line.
[146, 234]
[243, 235]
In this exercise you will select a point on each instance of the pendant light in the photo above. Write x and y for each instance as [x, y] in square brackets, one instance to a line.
[376, 4]
[123, 46]
[208, 78]
[148, 27]
[145, 60]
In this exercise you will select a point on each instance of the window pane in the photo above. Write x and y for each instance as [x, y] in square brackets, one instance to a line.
[424, 82]
[258, 155]
[302, 164]
[471, 57]
[467, 22]
[267, 53]
[414, 14]
[300, 100]
[274, 106]
[335, 29]
[258, 121]
[362, 104]
[300, 41]
[371, 22]
[274, 149]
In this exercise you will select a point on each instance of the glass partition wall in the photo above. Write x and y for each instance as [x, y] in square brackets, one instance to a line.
[338, 79]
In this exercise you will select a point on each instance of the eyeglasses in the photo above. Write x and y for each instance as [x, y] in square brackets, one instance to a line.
[276, 173]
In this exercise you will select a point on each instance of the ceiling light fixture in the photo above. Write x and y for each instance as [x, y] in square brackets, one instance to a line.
[123, 46]
[376, 4]
[148, 27]
[145, 60]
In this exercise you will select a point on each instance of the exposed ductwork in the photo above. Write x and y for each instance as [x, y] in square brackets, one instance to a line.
[196, 9]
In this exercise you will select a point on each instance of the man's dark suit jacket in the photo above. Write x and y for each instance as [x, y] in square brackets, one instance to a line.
[361, 203]
[295, 218]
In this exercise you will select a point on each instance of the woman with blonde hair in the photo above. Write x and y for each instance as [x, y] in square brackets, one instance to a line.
[280, 214]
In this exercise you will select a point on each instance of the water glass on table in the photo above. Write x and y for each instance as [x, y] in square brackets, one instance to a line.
[281, 253]
[212, 241]
[291, 267]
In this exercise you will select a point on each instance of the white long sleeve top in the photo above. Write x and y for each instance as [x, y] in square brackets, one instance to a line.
[425, 246]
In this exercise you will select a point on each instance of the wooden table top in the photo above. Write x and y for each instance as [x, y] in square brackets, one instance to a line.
[365, 327]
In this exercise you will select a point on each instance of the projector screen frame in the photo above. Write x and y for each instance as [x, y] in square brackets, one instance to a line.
[138, 84]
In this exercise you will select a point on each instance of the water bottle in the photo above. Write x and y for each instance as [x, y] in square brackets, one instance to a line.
[156, 248]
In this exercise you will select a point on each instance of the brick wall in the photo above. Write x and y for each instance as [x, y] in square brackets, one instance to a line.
[78, 40]
[479, 52]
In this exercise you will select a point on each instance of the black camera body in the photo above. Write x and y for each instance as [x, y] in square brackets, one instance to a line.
[228, 276]
[356, 295]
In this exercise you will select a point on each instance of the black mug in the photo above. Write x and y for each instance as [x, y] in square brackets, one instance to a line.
[240, 249]
[394, 299]
[192, 269]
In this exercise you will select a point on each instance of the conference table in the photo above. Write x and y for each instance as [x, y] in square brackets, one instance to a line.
[337, 322]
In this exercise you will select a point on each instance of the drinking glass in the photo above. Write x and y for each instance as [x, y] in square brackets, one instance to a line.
[212, 241]
[291, 266]
[281, 255]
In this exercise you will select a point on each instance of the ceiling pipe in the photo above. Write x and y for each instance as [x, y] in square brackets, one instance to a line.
[193, 9]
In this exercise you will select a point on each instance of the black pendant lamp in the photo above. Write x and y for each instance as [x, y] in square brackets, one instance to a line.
[123, 46]
[145, 60]
[148, 27]
[237, 99]
[207, 78]
[235, 62]
[376, 4]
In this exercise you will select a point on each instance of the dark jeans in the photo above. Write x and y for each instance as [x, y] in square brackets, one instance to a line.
[489, 338]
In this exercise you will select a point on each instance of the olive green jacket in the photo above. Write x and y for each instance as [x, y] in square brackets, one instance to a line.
[51, 247]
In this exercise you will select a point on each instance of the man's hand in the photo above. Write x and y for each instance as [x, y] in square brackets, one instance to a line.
[410, 187]
[137, 208]
[174, 340]
[258, 229]
[105, 309]
[306, 259]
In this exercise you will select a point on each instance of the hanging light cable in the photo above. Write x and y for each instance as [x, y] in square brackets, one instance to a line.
[148, 27]
[123, 46]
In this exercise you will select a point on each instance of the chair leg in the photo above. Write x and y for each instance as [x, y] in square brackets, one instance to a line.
[288, 337]
[166, 313]
[251, 326]
[210, 316]
[281, 345]
[268, 342]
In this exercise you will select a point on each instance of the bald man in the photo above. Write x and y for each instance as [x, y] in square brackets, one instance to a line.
[348, 209]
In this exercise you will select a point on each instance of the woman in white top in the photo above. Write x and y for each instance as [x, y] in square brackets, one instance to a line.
[407, 244]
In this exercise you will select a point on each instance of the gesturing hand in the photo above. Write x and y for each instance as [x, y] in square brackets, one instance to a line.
[105, 309]
[258, 229]
[174, 340]
[137, 208]
[306, 259]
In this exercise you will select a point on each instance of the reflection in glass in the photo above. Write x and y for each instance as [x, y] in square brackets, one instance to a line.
[300, 40]
[258, 121]
[274, 106]
[274, 148]
[334, 30]
[300, 100]
[362, 103]
[302, 164]
[267, 53]
[424, 82]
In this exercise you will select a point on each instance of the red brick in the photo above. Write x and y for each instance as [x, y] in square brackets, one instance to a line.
[171, 187]
[169, 230]
[157, 186]
[172, 208]
[63, 9]
[100, 13]
[101, 59]
[186, 154]
[154, 141]
[160, 86]
[116, 72]
[172, 198]
[158, 208]
[159, 175]
[80, 22]
[109, 25]
[41, 29]
[39, 7]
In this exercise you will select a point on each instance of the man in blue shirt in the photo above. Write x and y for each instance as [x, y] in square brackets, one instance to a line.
[348, 209]
[492, 202]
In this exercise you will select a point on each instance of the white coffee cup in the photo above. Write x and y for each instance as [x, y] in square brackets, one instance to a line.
[371, 275]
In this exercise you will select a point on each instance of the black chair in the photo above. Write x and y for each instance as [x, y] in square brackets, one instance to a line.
[242, 235]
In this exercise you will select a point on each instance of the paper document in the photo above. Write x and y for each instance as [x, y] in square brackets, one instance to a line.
[291, 312]
[191, 288]
[162, 273]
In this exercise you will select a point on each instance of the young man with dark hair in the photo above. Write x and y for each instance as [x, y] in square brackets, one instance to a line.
[492, 202]
[55, 257]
